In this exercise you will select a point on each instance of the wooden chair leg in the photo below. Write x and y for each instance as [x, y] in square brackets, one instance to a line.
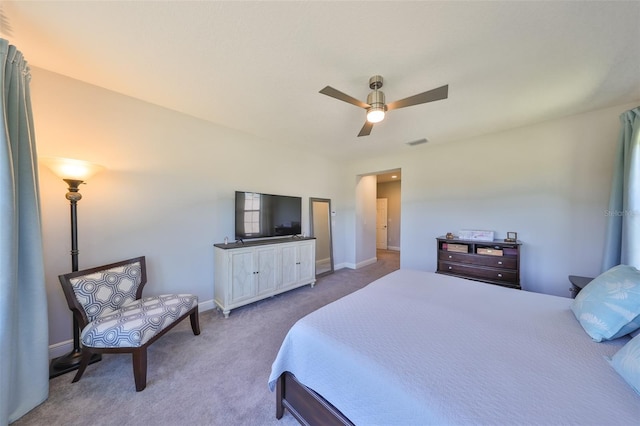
[195, 322]
[140, 368]
[84, 361]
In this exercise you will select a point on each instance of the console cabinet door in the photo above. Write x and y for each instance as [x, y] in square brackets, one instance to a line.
[298, 263]
[289, 267]
[242, 275]
[306, 261]
[266, 260]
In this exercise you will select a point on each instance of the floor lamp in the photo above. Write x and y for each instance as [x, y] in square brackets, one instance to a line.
[74, 173]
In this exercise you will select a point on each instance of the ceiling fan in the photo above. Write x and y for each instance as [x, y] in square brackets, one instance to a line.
[375, 105]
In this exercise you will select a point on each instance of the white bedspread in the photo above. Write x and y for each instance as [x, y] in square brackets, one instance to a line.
[415, 348]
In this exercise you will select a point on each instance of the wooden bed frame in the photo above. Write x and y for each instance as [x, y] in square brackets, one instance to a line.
[308, 407]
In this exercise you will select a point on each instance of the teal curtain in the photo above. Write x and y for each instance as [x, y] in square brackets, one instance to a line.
[24, 369]
[622, 245]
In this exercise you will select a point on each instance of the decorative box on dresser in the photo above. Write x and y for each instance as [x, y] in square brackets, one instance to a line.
[494, 262]
[247, 272]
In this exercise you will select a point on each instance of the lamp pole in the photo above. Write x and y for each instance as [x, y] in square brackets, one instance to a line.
[71, 361]
[74, 196]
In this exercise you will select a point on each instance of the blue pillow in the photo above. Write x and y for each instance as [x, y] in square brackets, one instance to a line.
[627, 363]
[609, 306]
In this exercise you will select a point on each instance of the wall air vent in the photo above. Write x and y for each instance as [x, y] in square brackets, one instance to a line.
[418, 142]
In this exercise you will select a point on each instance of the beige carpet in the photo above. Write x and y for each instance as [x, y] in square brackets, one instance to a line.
[217, 378]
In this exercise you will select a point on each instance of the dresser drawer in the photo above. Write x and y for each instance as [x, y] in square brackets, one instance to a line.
[490, 274]
[449, 256]
[496, 261]
[480, 259]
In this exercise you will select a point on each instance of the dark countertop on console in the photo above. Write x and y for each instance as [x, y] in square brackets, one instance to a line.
[252, 243]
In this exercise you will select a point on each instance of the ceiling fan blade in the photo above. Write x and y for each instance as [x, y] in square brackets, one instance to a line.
[421, 98]
[366, 129]
[330, 91]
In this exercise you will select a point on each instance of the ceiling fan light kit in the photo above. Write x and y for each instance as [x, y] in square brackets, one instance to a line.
[376, 106]
[375, 114]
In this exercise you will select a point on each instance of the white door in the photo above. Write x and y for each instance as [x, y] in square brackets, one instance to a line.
[381, 223]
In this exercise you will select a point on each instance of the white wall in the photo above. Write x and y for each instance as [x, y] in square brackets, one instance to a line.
[365, 221]
[549, 182]
[167, 192]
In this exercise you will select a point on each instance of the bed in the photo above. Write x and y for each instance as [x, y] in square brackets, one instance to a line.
[420, 348]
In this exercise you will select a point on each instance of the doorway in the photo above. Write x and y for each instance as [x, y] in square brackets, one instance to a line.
[388, 212]
[369, 188]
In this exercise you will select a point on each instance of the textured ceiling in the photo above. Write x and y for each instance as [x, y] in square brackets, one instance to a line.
[258, 66]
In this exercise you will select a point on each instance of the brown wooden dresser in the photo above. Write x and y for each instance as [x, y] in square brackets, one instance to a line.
[494, 262]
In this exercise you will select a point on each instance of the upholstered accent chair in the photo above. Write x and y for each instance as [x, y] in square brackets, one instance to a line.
[114, 317]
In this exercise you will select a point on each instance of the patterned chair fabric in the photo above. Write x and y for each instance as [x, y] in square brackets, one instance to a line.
[103, 292]
[137, 322]
[114, 318]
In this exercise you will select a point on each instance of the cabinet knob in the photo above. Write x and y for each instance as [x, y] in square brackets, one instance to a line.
[450, 267]
[450, 257]
[499, 275]
[500, 262]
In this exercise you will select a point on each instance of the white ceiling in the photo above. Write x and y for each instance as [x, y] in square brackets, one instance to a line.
[258, 66]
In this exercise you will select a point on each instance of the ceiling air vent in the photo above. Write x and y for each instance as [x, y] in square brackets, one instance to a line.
[418, 142]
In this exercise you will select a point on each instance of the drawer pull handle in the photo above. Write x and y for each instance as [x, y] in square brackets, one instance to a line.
[499, 275]
[500, 262]
[450, 267]
[450, 257]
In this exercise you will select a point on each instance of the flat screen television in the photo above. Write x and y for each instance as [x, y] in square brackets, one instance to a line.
[266, 215]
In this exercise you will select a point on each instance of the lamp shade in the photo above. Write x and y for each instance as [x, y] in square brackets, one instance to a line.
[67, 168]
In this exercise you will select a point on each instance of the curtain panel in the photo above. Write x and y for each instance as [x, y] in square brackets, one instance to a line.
[622, 244]
[24, 369]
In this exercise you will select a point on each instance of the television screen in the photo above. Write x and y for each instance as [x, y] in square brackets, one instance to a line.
[265, 215]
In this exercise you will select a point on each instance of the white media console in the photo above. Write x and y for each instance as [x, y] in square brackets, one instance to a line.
[247, 272]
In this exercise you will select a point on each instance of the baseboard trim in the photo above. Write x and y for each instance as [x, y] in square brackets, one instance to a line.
[64, 347]
[366, 262]
[344, 265]
[355, 265]
[206, 306]
[61, 348]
